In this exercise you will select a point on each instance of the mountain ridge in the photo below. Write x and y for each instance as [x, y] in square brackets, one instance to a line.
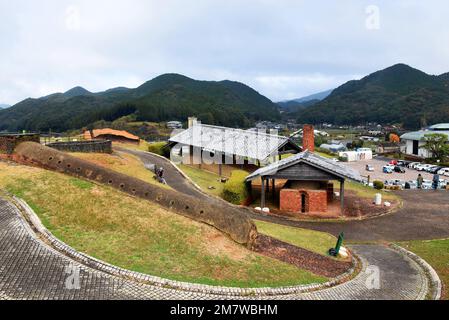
[397, 94]
[166, 97]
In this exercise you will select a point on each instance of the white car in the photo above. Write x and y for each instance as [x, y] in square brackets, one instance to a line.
[427, 184]
[423, 167]
[429, 168]
[444, 172]
[413, 165]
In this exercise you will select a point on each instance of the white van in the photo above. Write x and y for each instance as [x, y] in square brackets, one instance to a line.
[444, 172]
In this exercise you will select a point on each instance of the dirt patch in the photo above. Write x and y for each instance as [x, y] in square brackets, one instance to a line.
[302, 258]
[356, 206]
[218, 244]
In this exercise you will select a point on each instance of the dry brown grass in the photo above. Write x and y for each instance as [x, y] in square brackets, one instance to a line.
[121, 162]
[141, 236]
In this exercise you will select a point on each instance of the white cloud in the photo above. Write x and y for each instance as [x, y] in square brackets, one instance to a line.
[282, 48]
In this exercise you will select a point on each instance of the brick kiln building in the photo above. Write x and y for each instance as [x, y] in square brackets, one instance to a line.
[303, 184]
[111, 135]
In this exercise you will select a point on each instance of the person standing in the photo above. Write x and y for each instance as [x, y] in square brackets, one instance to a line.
[436, 181]
[419, 181]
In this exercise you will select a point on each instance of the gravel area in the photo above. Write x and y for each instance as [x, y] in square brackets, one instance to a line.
[410, 174]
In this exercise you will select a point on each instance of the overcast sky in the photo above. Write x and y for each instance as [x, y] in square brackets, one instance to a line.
[283, 49]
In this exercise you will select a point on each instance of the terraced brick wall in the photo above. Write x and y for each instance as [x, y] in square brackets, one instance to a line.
[94, 146]
[225, 218]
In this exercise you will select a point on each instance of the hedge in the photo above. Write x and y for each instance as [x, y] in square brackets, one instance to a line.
[235, 190]
[379, 185]
[158, 148]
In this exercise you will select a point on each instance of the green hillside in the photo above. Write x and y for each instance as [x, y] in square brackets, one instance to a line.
[167, 97]
[399, 94]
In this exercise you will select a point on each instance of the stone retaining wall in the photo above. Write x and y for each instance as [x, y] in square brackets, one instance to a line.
[9, 141]
[229, 220]
[91, 146]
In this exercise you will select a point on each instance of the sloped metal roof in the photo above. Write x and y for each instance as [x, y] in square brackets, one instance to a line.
[252, 144]
[315, 160]
[419, 135]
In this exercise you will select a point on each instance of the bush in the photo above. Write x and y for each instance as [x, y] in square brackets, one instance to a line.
[343, 159]
[378, 185]
[235, 190]
[158, 148]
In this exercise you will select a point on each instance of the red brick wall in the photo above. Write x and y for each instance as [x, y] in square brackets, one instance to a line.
[308, 138]
[317, 200]
[290, 201]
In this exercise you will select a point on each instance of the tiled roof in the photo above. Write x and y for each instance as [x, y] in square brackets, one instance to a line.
[107, 131]
[245, 143]
[312, 159]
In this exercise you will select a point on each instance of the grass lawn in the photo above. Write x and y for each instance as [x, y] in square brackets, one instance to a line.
[138, 235]
[121, 162]
[204, 179]
[315, 241]
[436, 253]
[143, 145]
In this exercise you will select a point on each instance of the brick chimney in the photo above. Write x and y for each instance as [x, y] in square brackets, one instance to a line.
[308, 138]
[192, 121]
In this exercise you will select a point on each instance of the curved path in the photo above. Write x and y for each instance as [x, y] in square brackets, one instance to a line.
[424, 216]
[30, 269]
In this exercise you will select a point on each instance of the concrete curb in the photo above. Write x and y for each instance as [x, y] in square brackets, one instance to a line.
[435, 282]
[36, 225]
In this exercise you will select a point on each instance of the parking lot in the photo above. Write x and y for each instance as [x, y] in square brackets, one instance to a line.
[377, 174]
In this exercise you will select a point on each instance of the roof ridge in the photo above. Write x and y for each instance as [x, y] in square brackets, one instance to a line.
[241, 130]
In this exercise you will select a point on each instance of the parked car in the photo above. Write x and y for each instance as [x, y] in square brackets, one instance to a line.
[411, 185]
[387, 169]
[393, 162]
[403, 163]
[427, 185]
[399, 169]
[423, 166]
[413, 165]
[430, 168]
[434, 169]
[369, 168]
[443, 172]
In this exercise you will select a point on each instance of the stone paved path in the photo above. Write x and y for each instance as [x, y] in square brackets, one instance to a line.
[424, 216]
[29, 269]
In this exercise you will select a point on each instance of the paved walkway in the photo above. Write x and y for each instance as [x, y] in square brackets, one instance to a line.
[29, 269]
[424, 216]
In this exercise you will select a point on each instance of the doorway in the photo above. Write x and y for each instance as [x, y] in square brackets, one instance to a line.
[304, 202]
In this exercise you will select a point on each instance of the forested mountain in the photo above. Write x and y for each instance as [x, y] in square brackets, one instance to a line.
[398, 94]
[167, 97]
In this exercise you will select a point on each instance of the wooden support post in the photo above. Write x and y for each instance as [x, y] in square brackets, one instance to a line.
[273, 189]
[262, 194]
[220, 170]
[342, 195]
[268, 185]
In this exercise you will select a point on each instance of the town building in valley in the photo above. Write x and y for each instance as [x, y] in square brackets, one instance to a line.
[415, 141]
[112, 135]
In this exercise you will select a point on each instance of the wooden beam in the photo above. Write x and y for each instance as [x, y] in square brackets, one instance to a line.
[262, 195]
[342, 195]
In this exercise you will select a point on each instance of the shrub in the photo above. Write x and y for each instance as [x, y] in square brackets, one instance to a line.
[378, 185]
[343, 159]
[158, 148]
[235, 190]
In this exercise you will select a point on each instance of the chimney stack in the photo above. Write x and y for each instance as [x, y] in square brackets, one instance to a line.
[192, 121]
[308, 138]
